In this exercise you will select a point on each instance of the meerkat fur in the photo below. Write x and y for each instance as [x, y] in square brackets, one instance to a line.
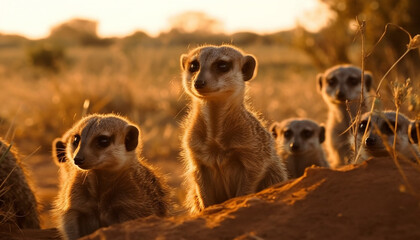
[299, 144]
[379, 138]
[18, 204]
[340, 87]
[103, 180]
[226, 149]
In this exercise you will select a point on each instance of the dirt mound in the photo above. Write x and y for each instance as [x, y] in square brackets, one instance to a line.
[369, 201]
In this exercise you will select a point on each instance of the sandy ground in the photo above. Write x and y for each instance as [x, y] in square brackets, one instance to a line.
[368, 201]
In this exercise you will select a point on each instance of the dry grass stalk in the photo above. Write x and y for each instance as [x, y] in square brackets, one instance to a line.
[400, 93]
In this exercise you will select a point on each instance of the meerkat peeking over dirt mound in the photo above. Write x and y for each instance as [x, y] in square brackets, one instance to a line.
[341, 87]
[103, 180]
[17, 202]
[299, 144]
[379, 138]
[226, 149]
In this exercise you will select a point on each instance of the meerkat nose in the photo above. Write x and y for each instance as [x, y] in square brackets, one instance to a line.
[79, 160]
[340, 95]
[370, 142]
[199, 84]
[294, 147]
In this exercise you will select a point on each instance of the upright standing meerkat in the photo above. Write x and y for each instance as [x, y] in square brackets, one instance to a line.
[103, 179]
[299, 144]
[226, 150]
[379, 138]
[340, 87]
[18, 204]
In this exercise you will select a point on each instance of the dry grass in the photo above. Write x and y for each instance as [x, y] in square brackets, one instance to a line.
[142, 83]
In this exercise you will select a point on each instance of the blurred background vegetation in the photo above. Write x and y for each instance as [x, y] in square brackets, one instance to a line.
[48, 84]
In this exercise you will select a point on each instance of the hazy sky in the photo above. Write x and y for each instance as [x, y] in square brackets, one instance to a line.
[34, 18]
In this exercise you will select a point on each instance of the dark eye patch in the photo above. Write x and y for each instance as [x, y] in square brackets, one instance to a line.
[194, 66]
[332, 81]
[103, 141]
[387, 129]
[288, 133]
[306, 133]
[353, 81]
[76, 140]
[223, 66]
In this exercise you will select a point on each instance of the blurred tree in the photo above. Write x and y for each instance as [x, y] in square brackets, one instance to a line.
[333, 44]
[195, 22]
[190, 28]
[78, 31]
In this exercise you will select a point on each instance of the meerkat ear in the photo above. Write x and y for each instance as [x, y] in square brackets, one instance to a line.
[319, 77]
[273, 130]
[321, 134]
[131, 138]
[183, 61]
[413, 129]
[249, 67]
[59, 150]
[368, 80]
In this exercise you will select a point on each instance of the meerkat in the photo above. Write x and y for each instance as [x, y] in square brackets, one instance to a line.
[299, 144]
[226, 149]
[340, 87]
[18, 204]
[103, 179]
[379, 138]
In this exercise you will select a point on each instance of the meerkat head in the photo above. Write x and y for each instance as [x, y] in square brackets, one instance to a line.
[342, 82]
[105, 142]
[380, 134]
[298, 136]
[216, 71]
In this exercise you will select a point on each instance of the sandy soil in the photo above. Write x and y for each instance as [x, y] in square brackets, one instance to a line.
[369, 201]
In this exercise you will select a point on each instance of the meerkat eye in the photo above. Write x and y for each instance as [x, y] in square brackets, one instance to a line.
[76, 140]
[307, 133]
[223, 66]
[362, 126]
[353, 81]
[332, 81]
[194, 66]
[103, 141]
[288, 133]
[386, 128]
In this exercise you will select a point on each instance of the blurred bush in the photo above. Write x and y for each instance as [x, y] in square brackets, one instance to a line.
[78, 32]
[336, 42]
[46, 56]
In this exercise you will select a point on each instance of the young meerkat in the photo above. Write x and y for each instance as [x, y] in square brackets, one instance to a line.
[18, 204]
[103, 179]
[299, 144]
[226, 149]
[379, 138]
[340, 87]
